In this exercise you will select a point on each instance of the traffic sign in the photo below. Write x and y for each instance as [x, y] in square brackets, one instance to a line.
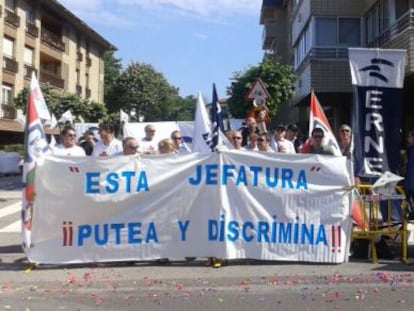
[258, 92]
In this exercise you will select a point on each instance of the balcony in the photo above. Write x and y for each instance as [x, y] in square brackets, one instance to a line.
[52, 39]
[79, 56]
[268, 11]
[405, 22]
[79, 90]
[328, 52]
[88, 93]
[28, 69]
[12, 18]
[52, 79]
[8, 111]
[32, 30]
[323, 53]
[10, 64]
[88, 61]
[268, 36]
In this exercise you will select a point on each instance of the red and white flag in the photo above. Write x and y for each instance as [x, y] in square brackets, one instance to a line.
[38, 99]
[318, 119]
[35, 148]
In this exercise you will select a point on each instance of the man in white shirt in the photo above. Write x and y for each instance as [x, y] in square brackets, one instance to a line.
[68, 146]
[280, 143]
[108, 145]
[148, 145]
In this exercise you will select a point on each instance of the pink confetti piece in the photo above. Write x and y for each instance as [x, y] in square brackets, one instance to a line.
[71, 278]
[179, 286]
[87, 277]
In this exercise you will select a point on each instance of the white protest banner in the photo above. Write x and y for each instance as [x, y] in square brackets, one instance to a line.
[230, 204]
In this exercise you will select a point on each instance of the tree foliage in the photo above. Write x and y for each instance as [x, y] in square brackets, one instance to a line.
[58, 103]
[277, 78]
[113, 69]
[144, 92]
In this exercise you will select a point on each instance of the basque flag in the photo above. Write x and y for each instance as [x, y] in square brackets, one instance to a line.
[35, 148]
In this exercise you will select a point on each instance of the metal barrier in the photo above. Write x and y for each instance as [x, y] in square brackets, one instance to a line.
[370, 203]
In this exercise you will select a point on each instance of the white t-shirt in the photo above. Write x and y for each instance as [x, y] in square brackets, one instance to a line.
[285, 145]
[71, 151]
[102, 150]
[148, 146]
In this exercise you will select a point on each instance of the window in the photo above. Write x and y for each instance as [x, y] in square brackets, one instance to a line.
[378, 18]
[28, 56]
[10, 5]
[326, 31]
[6, 94]
[401, 7]
[339, 31]
[327, 37]
[8, 47]
[349, 32]
[29, 16]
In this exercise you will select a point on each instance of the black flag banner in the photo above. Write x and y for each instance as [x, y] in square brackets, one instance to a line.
[377, 80]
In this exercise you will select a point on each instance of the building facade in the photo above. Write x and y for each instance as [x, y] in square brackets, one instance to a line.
[313, 37]
[43, 36]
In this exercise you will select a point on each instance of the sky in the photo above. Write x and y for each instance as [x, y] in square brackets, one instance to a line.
[193, 43]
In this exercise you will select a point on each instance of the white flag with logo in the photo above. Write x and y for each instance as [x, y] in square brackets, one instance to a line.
[52, 122]
[124, 117]
[66, 117]
[202, 127]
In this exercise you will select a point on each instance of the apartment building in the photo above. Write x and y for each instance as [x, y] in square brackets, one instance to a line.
[313, 36]
[45, 37]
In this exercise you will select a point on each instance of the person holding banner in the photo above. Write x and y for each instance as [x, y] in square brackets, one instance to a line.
[263, 143]
[236, 139]
[178, 142]
[280, 143]
[87, 142]
[147, 144]
[166, 146]
[68, 146]
[130, 146]
[316, 146]
[108, 145]
[250, 128]
[345, 140]
[252, 145]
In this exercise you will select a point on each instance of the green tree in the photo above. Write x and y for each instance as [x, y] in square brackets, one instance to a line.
[58, 103]
[277, 78]
[144, 91]
[182, 109]
[113, 69]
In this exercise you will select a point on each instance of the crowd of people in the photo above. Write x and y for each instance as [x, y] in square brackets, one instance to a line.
[283, 139]
[109, 145]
